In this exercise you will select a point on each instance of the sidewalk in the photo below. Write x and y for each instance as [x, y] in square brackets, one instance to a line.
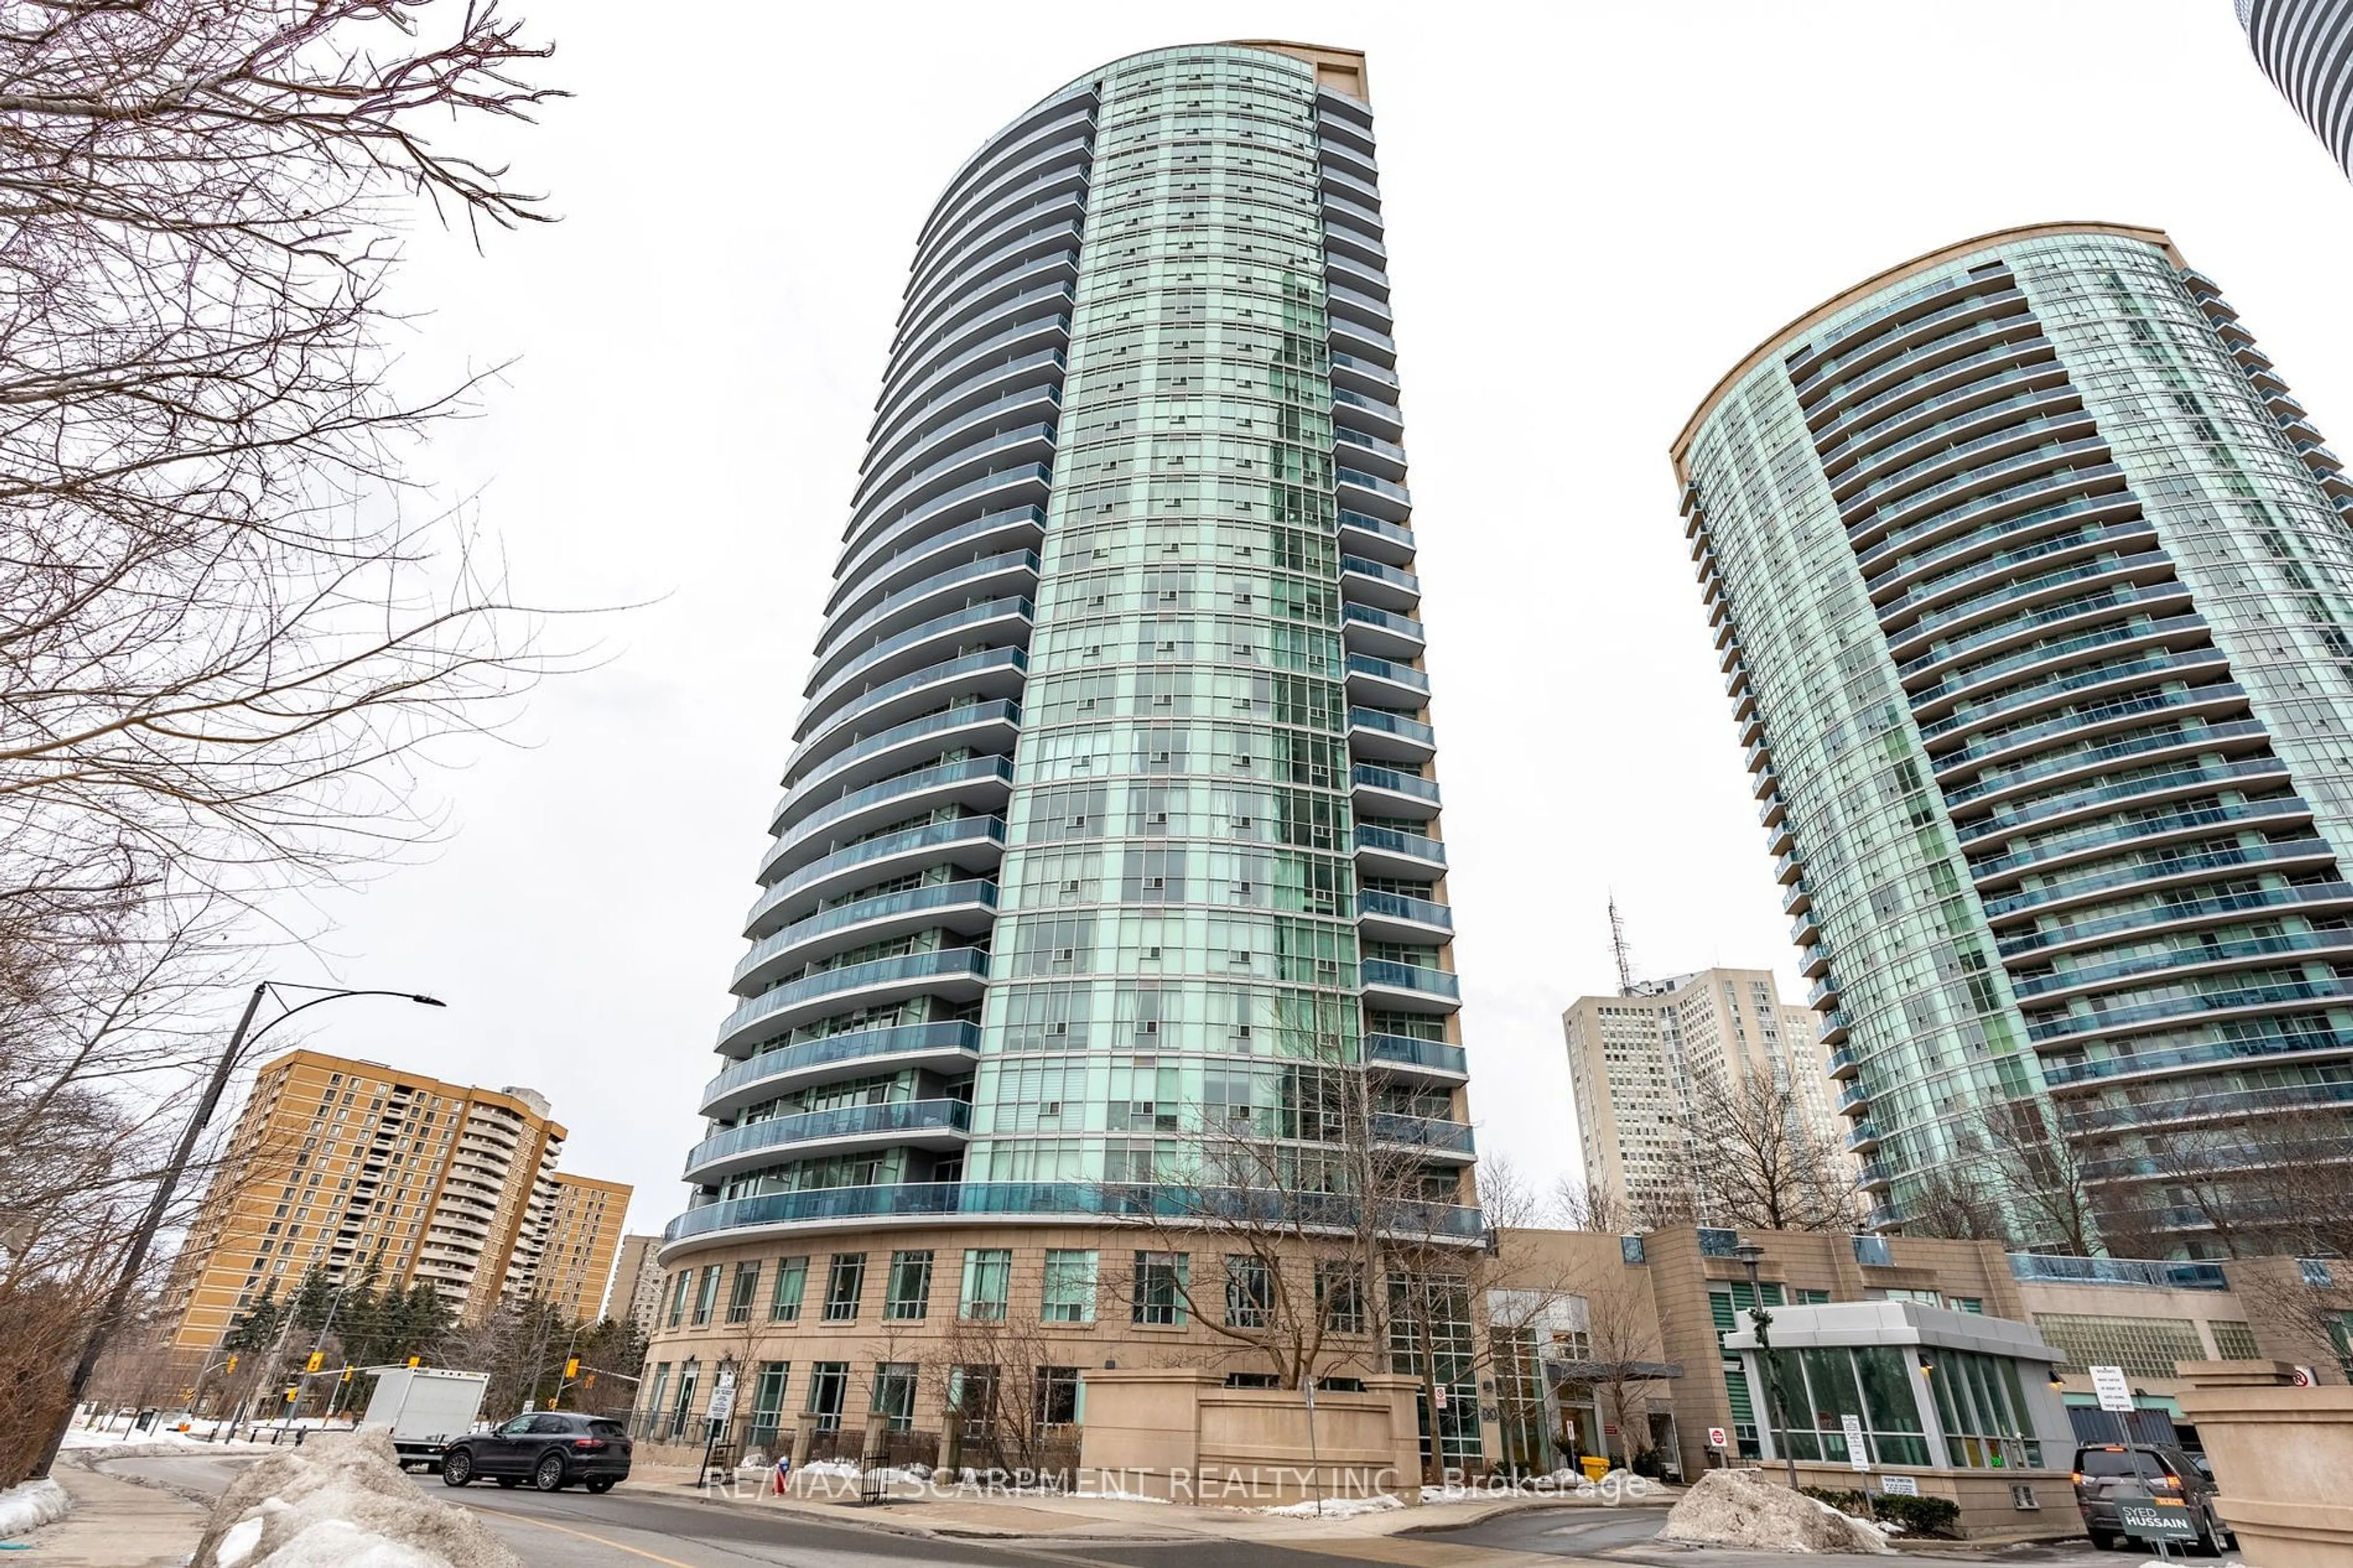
[116, 1524]
[914, 1511]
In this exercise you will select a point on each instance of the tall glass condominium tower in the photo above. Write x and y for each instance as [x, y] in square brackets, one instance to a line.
[2034, 590]
[2305, 47]
[1112, 802]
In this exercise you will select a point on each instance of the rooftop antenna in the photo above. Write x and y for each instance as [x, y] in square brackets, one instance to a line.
[1620, 950]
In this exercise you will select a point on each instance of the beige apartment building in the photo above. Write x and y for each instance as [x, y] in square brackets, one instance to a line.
[353, 1166]
[636, 1293]
[1643, 1062]
[575, 1267]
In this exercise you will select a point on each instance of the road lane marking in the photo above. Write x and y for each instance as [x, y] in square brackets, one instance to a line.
[583, 1535]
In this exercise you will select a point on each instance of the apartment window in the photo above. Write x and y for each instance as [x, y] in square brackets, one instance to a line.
[768, 1400]
[894, 1394]
[843, 1285]
[1340, 1296]
[1070, 1288]
[743, 1292]
[910, 1292]
[678, 1287]
[706, 1295]
[792, 1280]
[1249, 1291]
[828, 1391]
[987, 1284]
[1159, 1289]
[1058, 1396]
[657, 1386]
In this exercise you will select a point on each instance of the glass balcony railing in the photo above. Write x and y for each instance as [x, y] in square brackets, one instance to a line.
[1403, 626]
[1876, 561]
[898, 787]
[1389, 413]
[2122, 599]
[1915, 443]
[2189, 732]
[1366, 367]
[841, 1122]
[1854, 1100]
[1397, 674]
[1168, 1201]
[1878, 342]
[1389, 574]
[962, 716]
[2036, 1267]
[1379, 487]
[2013, 817]
[2229, 694]
[2159, 867]
[2035, 461]
[2174, 1007]
[2154, 825]
[975, 893]
[935, 835]
[855, 574]
[2191, 954]
[1958, 562]
[933, 503]
[1390, 779]
[1400, 843]
[2215, 1053]
[2155, 661]
[947, 963]
[2174, 912]
[1840, 430]
[1404, 1051]
[1397, 906]
[1397, 724]
[2007, 434]
[1395, 533]
[2019, 589]
[2138, 630]
[1007, 658]
[1422, 1133]
[859, 1046]
[1410, 977]
[942, 581]
[1009, 608]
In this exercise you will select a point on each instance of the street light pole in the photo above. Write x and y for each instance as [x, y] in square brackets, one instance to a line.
[134, 1257]
[1751, 1255]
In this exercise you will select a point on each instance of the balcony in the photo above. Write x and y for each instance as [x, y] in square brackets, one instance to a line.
[996, 672]
[1831, 1032]
[875, 574]
[1394, 917]
[1780, 838]
[1824, 994]
[978, 783]
[1789, 869]
[1853, 1102]
[967, 908]
[1449, 1141]
[1875, 1177]
[1389, 792]
[935, 1047]
[1375, 540]
[918, 1123]
[1379, 633]
[1378, 735]
[1408, 988]
[994, 622]
[1408, 857]
[1009, 574]
[1364, 492]
[1403, 1055]
[1380, 681]
[1863, 1139]
[956, 972]
[1843, 1063]
[1806, 932]
[1798, 897]
[1384, 587]
[970, 843]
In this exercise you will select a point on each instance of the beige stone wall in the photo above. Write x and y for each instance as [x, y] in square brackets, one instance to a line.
[2281, 1455]
[1990, 1508]
[1185, 1438]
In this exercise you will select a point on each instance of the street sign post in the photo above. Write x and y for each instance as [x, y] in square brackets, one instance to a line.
[2113, 1389]
[1857, 1453]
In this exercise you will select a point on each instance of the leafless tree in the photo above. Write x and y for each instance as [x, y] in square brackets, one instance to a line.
[2042, 1177]
[1957, 1203]
[1623, 1352]
[1579, 1205]
[1761, 1163]
[2278, 1184]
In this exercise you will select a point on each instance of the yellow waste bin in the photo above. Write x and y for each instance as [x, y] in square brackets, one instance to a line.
[1594, 1468]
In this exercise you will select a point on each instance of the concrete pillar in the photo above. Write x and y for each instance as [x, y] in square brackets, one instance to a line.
[804, 1434]
[1404, 1395]
[877, 1425]
[951, 1438]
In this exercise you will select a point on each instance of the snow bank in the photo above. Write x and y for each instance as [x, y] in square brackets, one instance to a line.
[25, 1509]
[342, 1501]
[1741, 1508]
[1335, 1508]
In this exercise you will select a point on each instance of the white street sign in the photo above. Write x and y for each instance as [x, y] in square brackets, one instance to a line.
[1857, 1453]
[1899, 1486]
[2115, 1391]
[723, 1397]
[1716, 1438]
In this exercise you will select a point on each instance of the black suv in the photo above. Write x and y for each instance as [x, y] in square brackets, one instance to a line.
[551, 1449]
[2109, 1473]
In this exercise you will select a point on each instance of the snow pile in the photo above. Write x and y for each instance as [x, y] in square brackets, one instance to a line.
[25, 1509]
[1335, 1508]
[342, 1501]
[1741, 1508]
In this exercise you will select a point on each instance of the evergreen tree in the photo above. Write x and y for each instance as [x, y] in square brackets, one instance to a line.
[312, 1300]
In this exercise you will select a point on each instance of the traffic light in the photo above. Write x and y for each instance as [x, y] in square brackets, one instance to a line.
[293, 1394]
[346, 1377]
[571, 1367]
[550, 1402]
[318, 1358]
[232, 1363]
[417, 1361]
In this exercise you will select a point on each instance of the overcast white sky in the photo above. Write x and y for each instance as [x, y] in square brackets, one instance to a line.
[1594, 210]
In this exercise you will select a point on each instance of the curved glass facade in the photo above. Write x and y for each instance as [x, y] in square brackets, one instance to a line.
[2034, 596]
[2305, 47]
[1112, 811]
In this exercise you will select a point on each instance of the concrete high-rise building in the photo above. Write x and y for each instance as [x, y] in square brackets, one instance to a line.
[636, 1293]
[574, 1270]
[2034, 597]
[2305, 47]
[352, 1167]
[1646, 1064]
[1111, 809]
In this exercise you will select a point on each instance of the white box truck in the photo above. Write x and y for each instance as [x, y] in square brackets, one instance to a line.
[424, 1407]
